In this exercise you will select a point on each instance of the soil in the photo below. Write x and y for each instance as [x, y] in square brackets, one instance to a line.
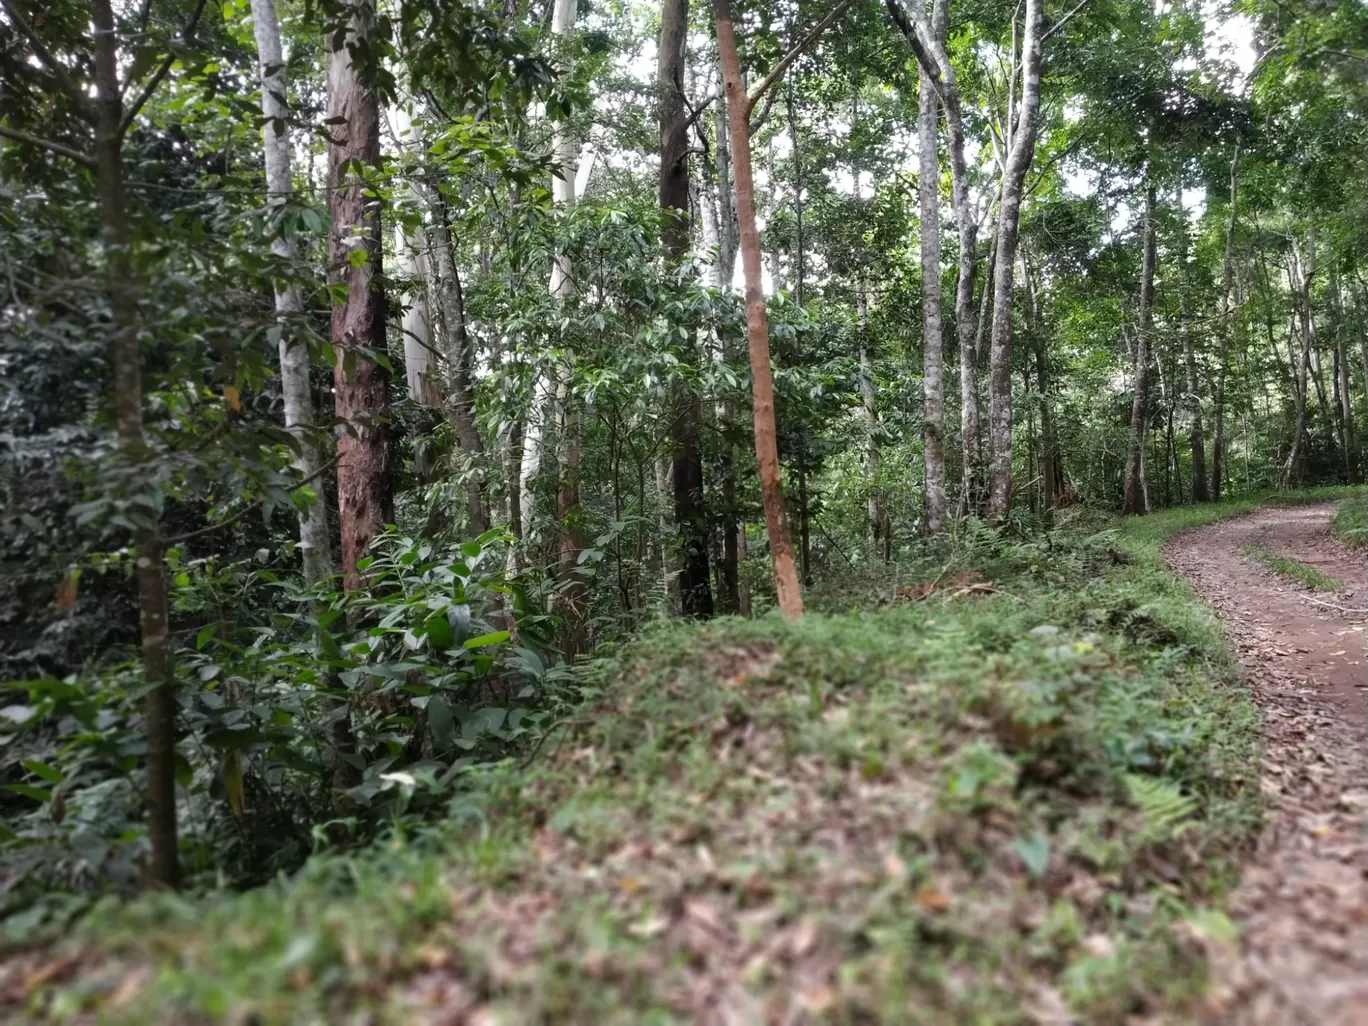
[1302, 901]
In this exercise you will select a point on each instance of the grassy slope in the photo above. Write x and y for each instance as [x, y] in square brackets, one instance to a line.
[979, 804]
[1350, 524]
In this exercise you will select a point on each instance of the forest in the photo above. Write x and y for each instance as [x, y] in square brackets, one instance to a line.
[628, 511]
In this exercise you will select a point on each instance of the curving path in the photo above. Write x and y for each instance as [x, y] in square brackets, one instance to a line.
[1302, 900]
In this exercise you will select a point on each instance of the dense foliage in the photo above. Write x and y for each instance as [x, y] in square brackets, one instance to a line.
[453, 291]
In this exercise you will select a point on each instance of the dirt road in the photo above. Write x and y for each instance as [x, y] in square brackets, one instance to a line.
[1302, 900]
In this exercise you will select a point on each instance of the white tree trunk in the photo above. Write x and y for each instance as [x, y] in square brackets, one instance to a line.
[565, 149]
[419, 362]
[314, 542]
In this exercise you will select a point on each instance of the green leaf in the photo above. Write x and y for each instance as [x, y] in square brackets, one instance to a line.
[41, 794]
[232, 781]
[492, 638]
[440, 721]
[42, 769]
[439, 632]
[1034, 852]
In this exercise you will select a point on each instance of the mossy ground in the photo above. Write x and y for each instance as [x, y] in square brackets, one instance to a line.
[1011, 789]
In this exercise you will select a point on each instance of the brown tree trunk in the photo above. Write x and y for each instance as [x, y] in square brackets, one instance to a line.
[1218, 446]
[786, 587]
[360, 385]
[933, 338]
[125, 362]
[1009, 225]
[1134, 500]
[695, 584]
[1305, 272]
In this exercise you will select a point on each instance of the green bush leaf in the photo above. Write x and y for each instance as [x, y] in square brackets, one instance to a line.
[492, 638]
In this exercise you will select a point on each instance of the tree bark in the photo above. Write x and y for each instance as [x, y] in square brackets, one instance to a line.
[786, 587]
[695, 583]
[1019, 160]
[1218, 446]
[360, 385]
[456, 352]
[1305, 272]
[1196, 435]
[928, 45]
[125, 362]
[1134, 499]
[933, 361]
[315, 544]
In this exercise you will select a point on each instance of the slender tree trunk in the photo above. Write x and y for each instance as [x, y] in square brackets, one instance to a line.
[1305, 271]
[1134, 499]
[360, 385]
[789, 595]
[456, 352]
[1009, 224]
[869, 404]
[315, 545]
[568, 545]
[125, 363]
[1218, 445]
[695, 583]
[933, 344]
[1196, 436]
[928, 44]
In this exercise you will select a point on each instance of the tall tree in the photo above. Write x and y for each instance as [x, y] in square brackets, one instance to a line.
[1218, 442]
[933, 386]
[1134, 499]
[365, 500]
[315, 546]
[695, 586]
[1020, 152]
[739, 107]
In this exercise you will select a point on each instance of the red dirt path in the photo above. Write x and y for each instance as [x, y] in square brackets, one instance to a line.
[1302, 900]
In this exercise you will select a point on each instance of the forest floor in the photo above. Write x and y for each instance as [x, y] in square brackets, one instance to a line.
[1293, 601]
[1015, 787]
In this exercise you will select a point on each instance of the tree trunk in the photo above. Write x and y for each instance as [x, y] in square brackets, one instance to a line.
[869, 404]
[1218, 448]
[315, 543]
[125, 363]
[933, 361]
[928, 43]
[695, 584]
[1134, 499]
[360, 385]
[456, 351]
[573, 593]
[1196, 436]
[786, 587]
[1009, 224]
[1305, 270]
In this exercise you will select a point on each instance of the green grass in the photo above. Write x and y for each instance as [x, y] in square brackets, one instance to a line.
[1290, 568]
[1350, 523]
[1020, 792]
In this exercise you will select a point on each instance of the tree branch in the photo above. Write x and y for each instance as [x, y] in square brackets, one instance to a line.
[157, 76]
[82, 102]
[230, 521]
[794, 53]
[1063, 21]
[47, 144]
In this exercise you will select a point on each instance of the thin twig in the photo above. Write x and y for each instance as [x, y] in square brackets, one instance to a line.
[1331, 605]
[794, 53]
[247, 509]
[49, 145]
[82, 103]
[147, 90]
[1063, 21]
